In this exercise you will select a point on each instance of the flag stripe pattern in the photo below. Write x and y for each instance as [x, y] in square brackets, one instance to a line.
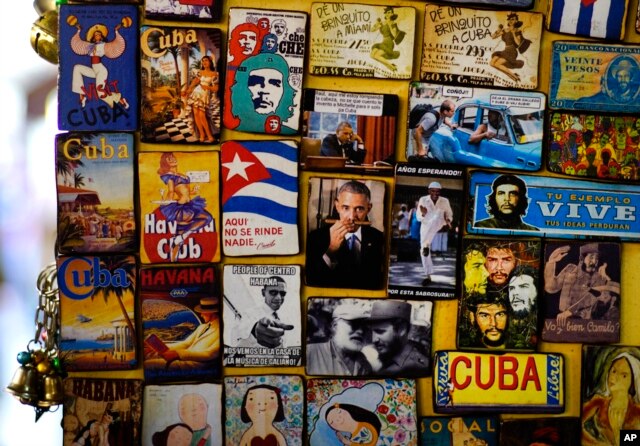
[592, 18]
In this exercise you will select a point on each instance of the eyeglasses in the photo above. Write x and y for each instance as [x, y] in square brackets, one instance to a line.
[274, 293]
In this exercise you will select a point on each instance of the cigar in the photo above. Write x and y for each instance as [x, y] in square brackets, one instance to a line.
[361, 223]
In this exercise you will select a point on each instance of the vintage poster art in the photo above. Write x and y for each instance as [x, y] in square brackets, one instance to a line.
[259, 198]
[181, 85]
[582, 291]
[262, 323]
[487, 382]
[358, 127]
[192, 10]
[459, 431]
[551, 207]
[98, 81]
[353, 209]
[179, 196]
[365, 337]
[541, 431]
[97, 312]
[524, 4]
[265, 59]
[188, 412]
[480, 47]
[609, 380]
[98, 411]
[426, 220]
[357, 40]
[475, 126]
[95, 191]
[594, 145]
[499, 304]
[600, 19]
[380, 412]
[267, 409]
[595, 77]
[180, 312]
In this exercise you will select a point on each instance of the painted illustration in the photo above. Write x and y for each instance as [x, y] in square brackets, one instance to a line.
[180, 322]
[540, 431]
[475, 126]
[594, 145]
[262, 325]
[357, 40]
[600, 19]
[259, 198]
[466, 382]
[504, 50]
[603, 78]
[101, 412]
[98, 83]
[610, 396]
[426, 223]
[192, 10]
[182, 414]
[97, 312]
[358, 127]
[181, 85]
[265, 59]
[359, 412]
[264, 409]
[95, 192]
[499, 305]
[459, 431]
[178, 206]
[566, 208]
[582, 292]
[363, 337]
[525, 4]
[345, 242]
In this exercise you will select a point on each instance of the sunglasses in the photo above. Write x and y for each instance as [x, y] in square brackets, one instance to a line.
[274, 293]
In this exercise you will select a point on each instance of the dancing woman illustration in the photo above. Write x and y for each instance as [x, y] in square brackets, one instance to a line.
[384, 51]
[188, 213]
[507, 59]
[201, 94]
[97, 47]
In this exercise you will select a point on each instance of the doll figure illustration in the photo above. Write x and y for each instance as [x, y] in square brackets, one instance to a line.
[189, 213]
[201, 96]
[262, 406]
[178, 434]
[97, 46]
[354, 425]
[506, 59]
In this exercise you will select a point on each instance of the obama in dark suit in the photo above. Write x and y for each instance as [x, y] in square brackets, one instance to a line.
[349, 253]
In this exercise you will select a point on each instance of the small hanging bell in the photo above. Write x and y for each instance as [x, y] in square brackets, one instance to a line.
[44, 36]
[52, 391]
[42, 6]
[24, 385]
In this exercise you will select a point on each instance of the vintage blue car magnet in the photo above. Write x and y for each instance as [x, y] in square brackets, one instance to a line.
[509, 382]
[503, 203]
[475, 126]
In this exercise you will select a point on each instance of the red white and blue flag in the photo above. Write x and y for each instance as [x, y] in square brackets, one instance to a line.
[259, 197]
[593, 18]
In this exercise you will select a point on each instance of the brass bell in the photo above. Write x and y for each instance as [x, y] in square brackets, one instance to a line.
[44, 36]
[43, 6]
[24, 385]
[52, 391]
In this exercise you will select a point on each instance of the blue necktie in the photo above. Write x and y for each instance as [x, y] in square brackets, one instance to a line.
[351, 241]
